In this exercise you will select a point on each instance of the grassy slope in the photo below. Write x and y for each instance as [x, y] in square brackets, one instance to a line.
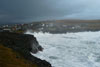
[9, 58]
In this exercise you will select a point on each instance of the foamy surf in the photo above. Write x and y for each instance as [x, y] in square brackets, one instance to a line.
[80, 49]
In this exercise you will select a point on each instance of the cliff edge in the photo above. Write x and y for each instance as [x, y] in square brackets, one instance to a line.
[22, 45]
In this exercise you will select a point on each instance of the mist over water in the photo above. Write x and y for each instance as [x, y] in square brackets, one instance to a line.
[80, 49]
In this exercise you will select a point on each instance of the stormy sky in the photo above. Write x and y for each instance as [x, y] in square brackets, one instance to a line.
[12, 11]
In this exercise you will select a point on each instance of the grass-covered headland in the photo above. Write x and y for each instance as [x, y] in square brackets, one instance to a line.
[9, 58]
[15, 51]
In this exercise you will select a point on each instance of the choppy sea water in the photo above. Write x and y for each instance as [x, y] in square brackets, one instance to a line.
[80, 49]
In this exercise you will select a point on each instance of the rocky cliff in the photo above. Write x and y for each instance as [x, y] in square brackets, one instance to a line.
[23, 44]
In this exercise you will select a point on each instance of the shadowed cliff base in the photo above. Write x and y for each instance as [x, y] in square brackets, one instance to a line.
[23, 45]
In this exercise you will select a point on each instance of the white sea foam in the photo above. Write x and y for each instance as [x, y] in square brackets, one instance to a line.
[80, 49]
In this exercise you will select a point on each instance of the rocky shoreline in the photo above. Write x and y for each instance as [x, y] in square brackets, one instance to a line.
[23, 44]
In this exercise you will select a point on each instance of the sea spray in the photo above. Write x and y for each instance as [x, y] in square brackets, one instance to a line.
[80, 49]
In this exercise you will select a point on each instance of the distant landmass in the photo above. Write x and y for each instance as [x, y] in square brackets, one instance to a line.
[63, 26]
[58, 26]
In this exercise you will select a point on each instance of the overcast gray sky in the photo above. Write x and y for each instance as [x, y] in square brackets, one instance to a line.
[32, 10]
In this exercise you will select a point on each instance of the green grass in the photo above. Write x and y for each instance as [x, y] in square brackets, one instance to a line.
[9, 58]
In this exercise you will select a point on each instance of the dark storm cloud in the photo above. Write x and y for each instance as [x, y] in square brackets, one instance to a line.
[31, 10]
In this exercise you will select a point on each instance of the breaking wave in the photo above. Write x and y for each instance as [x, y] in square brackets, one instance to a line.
[80, 49]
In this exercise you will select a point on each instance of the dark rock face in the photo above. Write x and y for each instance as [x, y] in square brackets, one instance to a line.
[24, 44]
[20, 42]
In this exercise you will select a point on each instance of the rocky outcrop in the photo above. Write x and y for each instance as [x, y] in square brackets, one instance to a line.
[24, 44]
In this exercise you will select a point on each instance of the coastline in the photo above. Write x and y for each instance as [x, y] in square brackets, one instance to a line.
[21, 44]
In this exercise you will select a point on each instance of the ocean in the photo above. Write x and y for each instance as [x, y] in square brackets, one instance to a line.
[80, 49]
